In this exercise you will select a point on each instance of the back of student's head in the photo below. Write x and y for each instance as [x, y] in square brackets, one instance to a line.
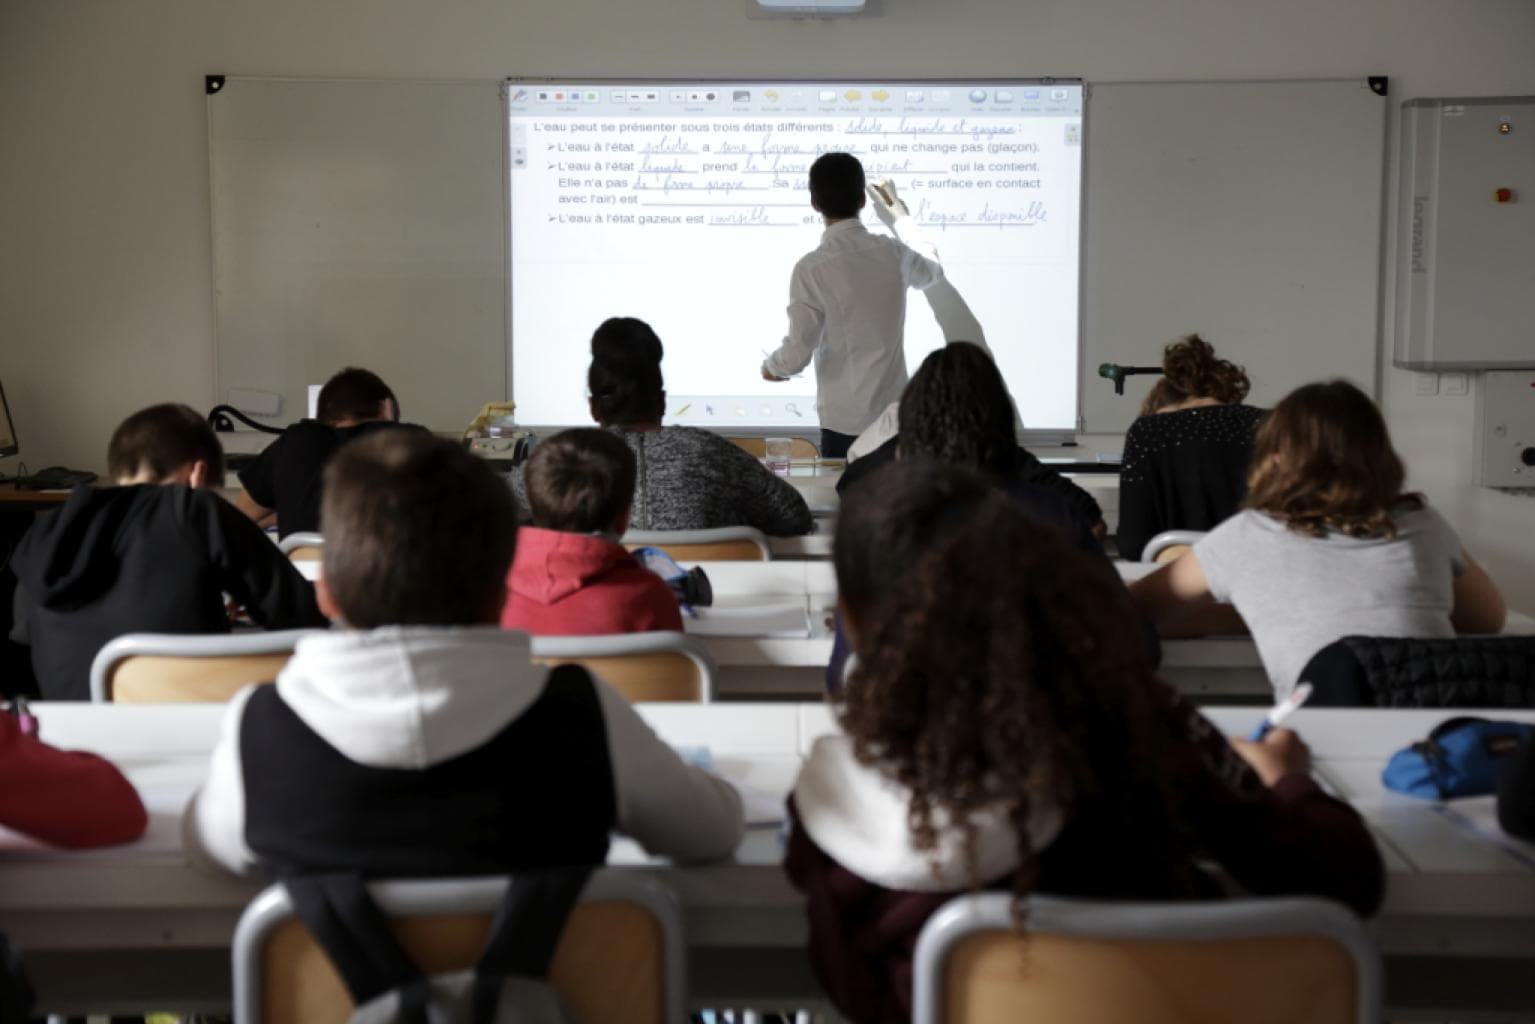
[1323, 461]
[997, 668]
[355, 395]
[837, 184]
[157, 441]
[956, 409]
[1190, 369]
[417, 532]
[580, 481]
[625, 376]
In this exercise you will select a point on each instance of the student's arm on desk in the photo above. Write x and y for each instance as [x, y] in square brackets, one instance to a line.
[66, 798]
[670, 807]
[254, 510]
[1178, 601]
[213, 825]
[1479, 605]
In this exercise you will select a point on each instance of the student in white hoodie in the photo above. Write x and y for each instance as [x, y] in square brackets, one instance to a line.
[419, 738]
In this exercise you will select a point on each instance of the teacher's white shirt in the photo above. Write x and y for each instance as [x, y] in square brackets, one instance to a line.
[847, 309]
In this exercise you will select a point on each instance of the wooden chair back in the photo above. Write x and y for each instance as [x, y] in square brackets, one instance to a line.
[169, 679]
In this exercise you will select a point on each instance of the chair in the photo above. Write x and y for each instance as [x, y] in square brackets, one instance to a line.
[621, 958]
[1169, 545]
[1259, 960]
[302, 547]
[660, 666]
[722, 544]
[1424, 672]
[154, 668]
[799, 447]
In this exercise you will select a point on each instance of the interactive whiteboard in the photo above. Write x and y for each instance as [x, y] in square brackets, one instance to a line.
[686, 204]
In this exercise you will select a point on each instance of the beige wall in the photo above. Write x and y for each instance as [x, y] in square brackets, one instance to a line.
[105, 284]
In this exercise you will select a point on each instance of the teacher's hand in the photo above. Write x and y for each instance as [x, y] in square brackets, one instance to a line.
[769, 375]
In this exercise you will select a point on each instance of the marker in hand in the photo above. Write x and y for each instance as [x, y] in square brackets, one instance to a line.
[1283, 710]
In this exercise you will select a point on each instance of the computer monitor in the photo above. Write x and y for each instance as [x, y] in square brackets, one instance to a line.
[8, 444]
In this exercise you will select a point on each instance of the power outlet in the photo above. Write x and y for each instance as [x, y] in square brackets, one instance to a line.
[1455, 385]
[1505, 430]
[1425, 384]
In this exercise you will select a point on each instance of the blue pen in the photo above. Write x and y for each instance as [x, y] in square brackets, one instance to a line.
[1284, 709]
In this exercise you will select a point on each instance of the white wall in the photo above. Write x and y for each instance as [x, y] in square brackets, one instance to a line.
[105, 282]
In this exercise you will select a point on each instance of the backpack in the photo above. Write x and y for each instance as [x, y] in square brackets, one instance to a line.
[509, 984]
[1461, 757]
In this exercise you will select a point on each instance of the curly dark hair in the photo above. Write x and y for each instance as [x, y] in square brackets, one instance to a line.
[1323, 461]
[996, 662]
[956, 409]
[625, 376]
[1190, 369]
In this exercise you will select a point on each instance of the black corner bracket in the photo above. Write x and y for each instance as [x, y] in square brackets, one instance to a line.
[1379, 84]
[213, 84]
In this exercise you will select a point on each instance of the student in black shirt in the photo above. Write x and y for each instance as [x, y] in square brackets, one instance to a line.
[155, 553]
[285, 478]
[1185, 458]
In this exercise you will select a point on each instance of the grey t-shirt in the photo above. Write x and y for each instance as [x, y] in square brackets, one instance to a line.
[1299, 593]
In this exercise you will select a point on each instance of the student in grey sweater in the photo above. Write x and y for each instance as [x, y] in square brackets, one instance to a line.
[1329, 545]
[686, 478]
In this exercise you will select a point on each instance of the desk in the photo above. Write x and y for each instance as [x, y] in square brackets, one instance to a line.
[137, 926]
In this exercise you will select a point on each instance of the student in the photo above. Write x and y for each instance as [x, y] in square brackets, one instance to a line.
[686, 478]
[419, 738]
[957, 409]
[153, 554]
[1000, 733]
[847, 302]
[285, 477]
[65, 798]
[1185, 459]
[1329, 545]
[570, 575]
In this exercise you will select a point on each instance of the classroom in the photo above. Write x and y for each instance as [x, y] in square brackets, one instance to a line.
[131, 207]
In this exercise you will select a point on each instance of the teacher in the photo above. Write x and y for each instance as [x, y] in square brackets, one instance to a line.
[847, 302]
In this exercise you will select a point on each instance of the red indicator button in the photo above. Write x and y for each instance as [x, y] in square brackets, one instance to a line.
[1503, 195]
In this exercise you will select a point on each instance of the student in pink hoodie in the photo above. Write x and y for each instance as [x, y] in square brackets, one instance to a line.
[570, 576]
[69, 799]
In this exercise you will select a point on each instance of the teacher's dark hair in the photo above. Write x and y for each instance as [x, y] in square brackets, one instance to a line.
[836, 185]
[625, 376]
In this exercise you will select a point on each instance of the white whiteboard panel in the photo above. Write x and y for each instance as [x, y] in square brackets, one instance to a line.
[360, 223]
[363, 223]
[1249, 212]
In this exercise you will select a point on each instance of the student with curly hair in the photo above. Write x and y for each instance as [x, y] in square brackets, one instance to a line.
[1329, 544]
[1185, 458]
[999, 732]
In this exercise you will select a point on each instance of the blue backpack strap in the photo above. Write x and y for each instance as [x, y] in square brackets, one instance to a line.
[353, 931]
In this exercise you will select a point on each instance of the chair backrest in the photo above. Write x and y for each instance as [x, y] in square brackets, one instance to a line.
[1424, 672]
[1169, 545]
[722, 544]
[644, 667]
[302, 547]
[1262, 960]
[142, 668]
[799, 447]
[622, 957]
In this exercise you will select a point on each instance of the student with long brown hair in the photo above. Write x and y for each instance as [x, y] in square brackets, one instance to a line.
[1330, 544]
[1002, 729]
[1185, 458]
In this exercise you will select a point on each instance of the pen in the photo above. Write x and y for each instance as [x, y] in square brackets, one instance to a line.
[1284, 709]
[25, 719]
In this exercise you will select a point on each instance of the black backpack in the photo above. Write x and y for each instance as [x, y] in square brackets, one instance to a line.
[509, 984]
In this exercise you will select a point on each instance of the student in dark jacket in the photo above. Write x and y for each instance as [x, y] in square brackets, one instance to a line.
[998, 732]
[957, 415]
[285, 478]
[1186, 457]
[155, 553]
[571, 576]
[420, 738]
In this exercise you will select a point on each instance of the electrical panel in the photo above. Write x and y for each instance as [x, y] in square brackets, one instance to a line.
[1505, 431]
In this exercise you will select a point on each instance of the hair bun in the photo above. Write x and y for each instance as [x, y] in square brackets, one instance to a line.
[1191, 367]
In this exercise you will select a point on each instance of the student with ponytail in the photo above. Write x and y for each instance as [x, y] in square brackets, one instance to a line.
[685, 478]
[1185, 458]
[1000, 731]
